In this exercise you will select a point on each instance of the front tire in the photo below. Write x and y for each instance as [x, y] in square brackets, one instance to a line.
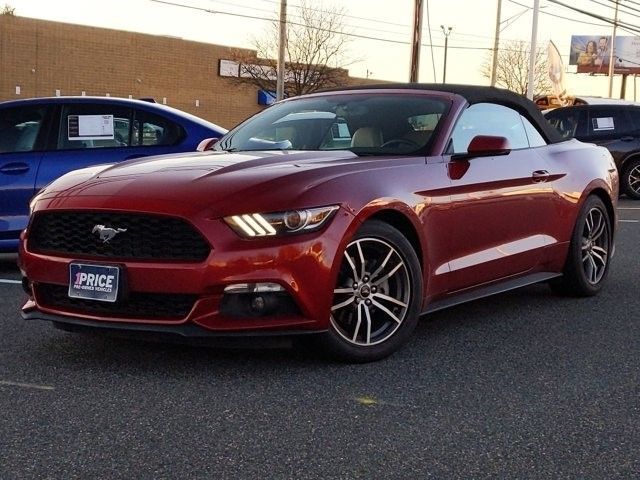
[631, 179]
[377, 297]
[587, 264]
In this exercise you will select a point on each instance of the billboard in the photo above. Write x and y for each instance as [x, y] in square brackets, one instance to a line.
[590, 53]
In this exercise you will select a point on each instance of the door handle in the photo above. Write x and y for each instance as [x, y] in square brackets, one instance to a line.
[540, 176]
[14, 168]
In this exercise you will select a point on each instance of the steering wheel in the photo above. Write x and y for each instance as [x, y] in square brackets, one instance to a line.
[399, 142]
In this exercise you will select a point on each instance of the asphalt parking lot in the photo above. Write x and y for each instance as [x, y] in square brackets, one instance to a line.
[521, 385]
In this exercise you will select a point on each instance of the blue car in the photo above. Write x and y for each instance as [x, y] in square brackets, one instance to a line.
[44, 138]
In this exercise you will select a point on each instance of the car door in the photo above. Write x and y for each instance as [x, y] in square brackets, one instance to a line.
[23, 132]
[613, 128]
[501, 205]
[101, 133]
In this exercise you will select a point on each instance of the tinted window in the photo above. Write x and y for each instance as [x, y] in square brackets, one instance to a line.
[152, 129]
[488, 119]
[634, 113]
[93, 126]
[569, 122]
[608, 122]
[19, 128]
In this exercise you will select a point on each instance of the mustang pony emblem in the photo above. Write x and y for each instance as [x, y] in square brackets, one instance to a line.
[107, 233]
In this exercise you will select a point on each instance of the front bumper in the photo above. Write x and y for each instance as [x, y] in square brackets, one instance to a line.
[303, 265]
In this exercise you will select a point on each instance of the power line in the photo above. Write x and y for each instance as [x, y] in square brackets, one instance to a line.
[612, 7]
[365, 37]
[559, 16]
[623, 25]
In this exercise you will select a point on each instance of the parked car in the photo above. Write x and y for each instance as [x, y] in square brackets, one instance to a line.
[43, 138]
[615, 126]
[444, 194]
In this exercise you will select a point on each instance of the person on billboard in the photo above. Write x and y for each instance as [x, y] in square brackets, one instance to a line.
[603, 52]
[590, 54]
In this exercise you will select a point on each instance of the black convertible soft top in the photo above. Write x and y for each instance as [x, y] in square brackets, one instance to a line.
[480, 94]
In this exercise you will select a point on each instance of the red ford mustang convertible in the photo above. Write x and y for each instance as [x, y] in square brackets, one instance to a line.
[346, 214]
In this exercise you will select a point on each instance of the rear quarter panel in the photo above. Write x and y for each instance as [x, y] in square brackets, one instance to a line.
[583, 170]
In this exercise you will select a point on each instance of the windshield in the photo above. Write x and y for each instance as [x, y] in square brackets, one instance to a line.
[366, 124]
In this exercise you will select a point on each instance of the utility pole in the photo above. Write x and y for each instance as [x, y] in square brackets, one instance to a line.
[611, 56]
[447, 32]
[415, 41]
[496, 42]
[532, 53]
[282, 41]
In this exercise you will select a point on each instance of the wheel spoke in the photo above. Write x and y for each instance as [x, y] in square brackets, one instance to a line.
[599, 229]
[382, 265]
[600, 250]
[342, 304]
[355, 332]
[343, 290]
[386, 310]
[389, 299]
[362, 263]
[597, 257]
[588, 266]
[388, 275]
[367, 315]
[589, 223]
[594, 270]
[353, 266]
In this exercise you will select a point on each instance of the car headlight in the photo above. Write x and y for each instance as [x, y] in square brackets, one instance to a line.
[254, 225]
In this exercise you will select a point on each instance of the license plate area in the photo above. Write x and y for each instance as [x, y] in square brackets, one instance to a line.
[94, 282]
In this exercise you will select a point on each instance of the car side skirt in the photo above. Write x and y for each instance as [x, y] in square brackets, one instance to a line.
[488, 290]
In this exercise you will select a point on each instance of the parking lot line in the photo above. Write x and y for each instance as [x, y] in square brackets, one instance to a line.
[5, 280]
[628, 208]
[629, 221]
[25, 385]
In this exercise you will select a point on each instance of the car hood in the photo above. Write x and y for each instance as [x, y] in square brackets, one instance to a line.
[211, 178]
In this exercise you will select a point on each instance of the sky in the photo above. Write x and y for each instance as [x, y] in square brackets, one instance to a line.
[381, 29]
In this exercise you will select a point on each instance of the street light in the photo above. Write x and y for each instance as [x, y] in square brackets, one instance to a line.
[447, 32]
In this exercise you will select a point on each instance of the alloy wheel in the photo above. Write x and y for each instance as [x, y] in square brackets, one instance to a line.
[373, 293]
[633, 179]
[595, 245]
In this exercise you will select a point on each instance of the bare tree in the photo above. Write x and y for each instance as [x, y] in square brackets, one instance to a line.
[513, 68]
[8, 10]
[315, 52]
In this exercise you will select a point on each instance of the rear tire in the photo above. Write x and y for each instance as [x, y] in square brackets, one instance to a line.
[377, 297]
[631, 179]
[587, 264]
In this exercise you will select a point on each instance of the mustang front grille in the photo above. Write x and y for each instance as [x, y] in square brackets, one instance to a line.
[138, 305]
[116, 235]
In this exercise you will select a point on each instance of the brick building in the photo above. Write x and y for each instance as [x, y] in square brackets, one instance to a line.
[40, 58]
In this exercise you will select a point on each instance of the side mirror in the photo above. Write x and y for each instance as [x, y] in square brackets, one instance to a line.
[485, 146]
[207, 144]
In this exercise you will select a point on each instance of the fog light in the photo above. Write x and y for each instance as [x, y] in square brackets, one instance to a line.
[252, 300]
